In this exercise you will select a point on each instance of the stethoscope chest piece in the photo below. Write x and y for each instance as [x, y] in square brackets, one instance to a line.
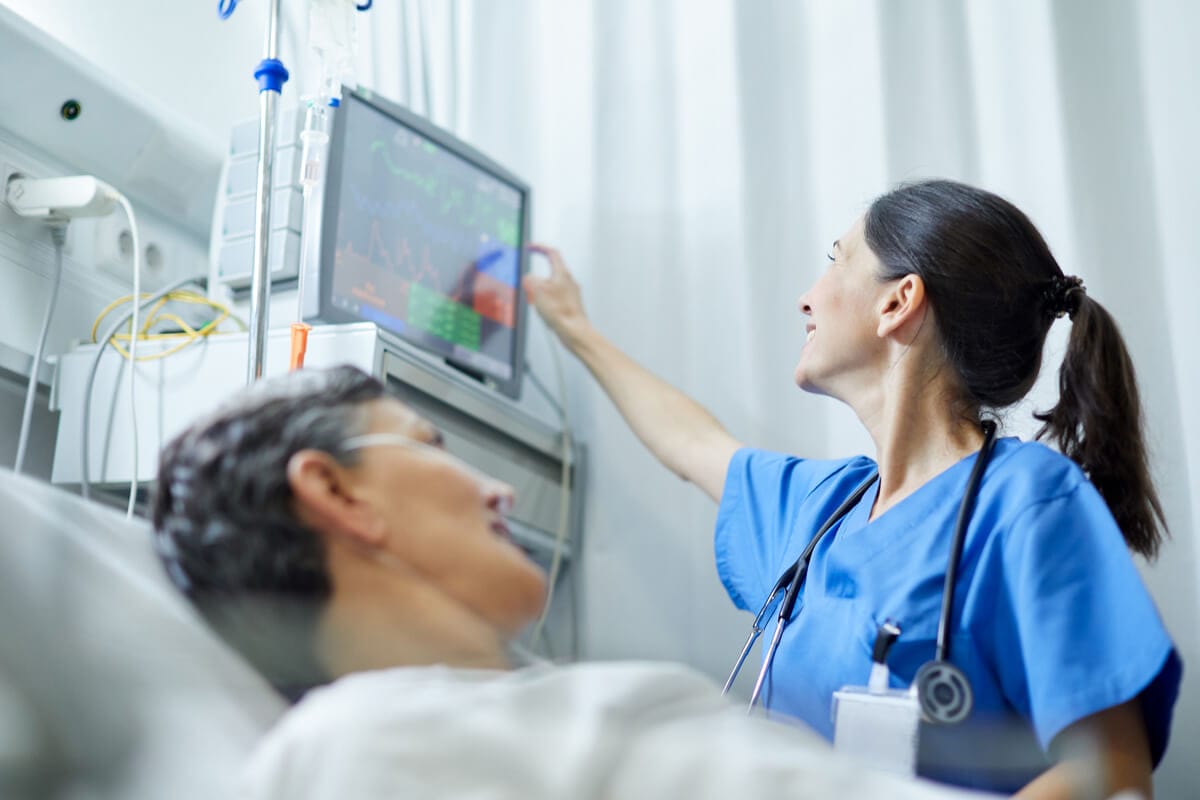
[944, 693]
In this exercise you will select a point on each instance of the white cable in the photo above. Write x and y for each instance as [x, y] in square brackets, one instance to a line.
[564, 506]
[133, 339]
[58, 233]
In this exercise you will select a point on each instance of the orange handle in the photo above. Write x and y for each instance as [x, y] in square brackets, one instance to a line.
[299, 344]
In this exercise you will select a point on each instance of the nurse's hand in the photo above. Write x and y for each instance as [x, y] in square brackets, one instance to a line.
[557, 298]
[678, 431]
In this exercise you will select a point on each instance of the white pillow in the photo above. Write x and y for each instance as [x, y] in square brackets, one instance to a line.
[110, 683]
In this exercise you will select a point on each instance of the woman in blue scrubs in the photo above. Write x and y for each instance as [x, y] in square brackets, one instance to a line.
[932, 313]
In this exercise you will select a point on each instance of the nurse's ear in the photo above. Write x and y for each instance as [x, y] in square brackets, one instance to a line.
[902, 309]
[326, 499]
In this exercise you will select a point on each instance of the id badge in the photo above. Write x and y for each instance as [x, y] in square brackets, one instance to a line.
[879, 727]
[877, 724]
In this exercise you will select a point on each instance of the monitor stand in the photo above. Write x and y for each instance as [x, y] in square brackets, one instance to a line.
[474, 374]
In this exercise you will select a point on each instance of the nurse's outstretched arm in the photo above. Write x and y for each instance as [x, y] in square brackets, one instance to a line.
[678, 431]
[1101, 755]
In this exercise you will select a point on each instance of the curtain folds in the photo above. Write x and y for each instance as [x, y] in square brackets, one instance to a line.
[694, 160]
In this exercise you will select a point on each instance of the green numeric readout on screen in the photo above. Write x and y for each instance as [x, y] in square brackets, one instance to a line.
[442, 317]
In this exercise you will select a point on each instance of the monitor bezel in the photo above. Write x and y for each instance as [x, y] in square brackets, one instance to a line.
[329, 313]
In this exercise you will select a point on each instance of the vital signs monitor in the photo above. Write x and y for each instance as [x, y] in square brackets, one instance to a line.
[424, 236]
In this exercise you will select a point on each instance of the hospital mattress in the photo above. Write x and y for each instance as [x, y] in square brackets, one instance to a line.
[110, 684]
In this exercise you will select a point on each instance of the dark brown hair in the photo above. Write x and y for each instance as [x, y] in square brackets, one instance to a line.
[995, 289]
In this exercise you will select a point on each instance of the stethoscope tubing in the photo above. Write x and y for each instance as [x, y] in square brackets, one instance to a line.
[757, 628]
[762, 673]
[965, 509]
[793, 576]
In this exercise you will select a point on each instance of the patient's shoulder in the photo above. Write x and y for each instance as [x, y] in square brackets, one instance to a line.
[586, 688]
[626, 729]
[374, 728]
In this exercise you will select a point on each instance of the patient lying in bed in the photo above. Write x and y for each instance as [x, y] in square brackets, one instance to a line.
[322, 529]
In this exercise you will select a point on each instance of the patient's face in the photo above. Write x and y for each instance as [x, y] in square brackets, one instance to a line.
[444, 520]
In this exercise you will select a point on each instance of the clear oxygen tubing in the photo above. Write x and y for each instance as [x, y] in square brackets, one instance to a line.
[58, 234]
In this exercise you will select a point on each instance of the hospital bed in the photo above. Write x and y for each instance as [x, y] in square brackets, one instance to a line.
[110, 684]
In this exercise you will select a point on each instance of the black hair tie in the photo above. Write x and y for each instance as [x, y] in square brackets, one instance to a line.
[1063, 295]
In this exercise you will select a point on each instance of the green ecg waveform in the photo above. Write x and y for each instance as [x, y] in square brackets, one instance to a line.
[505, 228]
[429, 185]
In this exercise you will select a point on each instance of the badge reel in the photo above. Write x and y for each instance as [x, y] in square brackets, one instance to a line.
[882, 725]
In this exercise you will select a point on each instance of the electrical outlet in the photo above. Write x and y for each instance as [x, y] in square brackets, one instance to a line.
[165, 255]
[153, 259]
[113, 252]
[156, 256]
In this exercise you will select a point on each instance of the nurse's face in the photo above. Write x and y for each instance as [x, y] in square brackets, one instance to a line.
[842, 348]
[444, 520]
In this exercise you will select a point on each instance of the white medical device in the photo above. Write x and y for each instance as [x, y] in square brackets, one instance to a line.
[61, 198]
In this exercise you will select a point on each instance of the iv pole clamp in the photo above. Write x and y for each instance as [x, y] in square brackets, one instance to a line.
[271, 75]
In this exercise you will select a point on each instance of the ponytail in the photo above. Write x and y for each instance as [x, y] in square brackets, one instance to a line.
[1098, 421]
[995, 289]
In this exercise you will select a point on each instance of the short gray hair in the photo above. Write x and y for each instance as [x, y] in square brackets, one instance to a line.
[223, 516]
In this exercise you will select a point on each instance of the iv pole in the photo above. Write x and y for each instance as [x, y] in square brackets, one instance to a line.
[271, 76]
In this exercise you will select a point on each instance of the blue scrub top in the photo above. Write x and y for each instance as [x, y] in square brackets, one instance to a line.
[1051, 620]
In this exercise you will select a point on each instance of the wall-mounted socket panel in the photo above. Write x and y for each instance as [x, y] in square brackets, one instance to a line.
[93, 274]
[165, 254]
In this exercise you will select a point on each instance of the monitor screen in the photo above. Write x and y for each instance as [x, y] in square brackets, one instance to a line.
[424, 236]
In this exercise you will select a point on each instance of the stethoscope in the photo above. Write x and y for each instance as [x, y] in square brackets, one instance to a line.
[943, 689]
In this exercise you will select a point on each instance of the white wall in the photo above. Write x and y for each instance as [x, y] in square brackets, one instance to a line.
[179, 53]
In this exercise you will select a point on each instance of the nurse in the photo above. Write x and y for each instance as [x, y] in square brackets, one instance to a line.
[931, 315]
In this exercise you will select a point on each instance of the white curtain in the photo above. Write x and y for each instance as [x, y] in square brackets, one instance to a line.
[695, 159]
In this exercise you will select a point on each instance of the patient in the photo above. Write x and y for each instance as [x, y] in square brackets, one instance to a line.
[320, 527]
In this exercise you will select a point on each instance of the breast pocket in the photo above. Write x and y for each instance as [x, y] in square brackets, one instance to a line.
[915, 646]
